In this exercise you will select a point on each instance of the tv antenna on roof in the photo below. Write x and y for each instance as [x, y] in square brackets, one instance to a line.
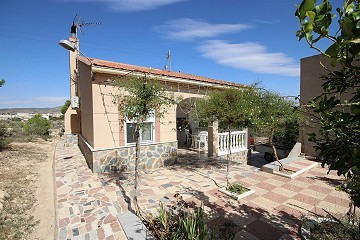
[77, 24]
[168, 61]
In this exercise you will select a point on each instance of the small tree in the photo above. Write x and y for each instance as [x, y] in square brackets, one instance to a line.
[139, 99]
[338, 139]
[233, 108]
[2, 82]
[276, 114]
[65, 107]
[37, 125]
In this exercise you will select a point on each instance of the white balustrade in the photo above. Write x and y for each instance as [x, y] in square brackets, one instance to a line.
[237, 142]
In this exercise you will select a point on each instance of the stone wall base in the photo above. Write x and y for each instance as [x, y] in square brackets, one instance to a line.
[238, 157]
[122, 159]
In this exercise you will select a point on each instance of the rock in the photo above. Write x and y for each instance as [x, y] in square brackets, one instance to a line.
[6, 196]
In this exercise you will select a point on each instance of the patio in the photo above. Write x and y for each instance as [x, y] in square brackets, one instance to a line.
[274, 211]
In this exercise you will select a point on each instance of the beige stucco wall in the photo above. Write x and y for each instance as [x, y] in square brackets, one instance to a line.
[71, 118]
[105, 114]
[86, 101]
[104, 130]
[311, 86]
[168, 123]
[72, 121]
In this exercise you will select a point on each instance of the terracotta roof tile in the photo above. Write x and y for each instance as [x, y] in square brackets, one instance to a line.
[123, 66]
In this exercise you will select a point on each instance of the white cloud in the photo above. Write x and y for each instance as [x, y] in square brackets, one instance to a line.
[140, 5]
[132, 5]
[50, 100]
[187, 29]
[250, 56]
[33, 102]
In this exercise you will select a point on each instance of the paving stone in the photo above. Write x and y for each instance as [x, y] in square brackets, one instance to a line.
[133, 227]
[91, 201]
[62, 234]
[75, 232]
[263, 230]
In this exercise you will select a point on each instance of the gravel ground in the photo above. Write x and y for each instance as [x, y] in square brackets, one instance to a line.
[26, 191]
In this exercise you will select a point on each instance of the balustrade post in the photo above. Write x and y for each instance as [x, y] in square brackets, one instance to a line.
[247, 138]
[213, 139]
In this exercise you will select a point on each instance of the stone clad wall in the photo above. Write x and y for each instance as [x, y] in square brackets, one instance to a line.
[238, 157]
[123, 159]
[86, 151]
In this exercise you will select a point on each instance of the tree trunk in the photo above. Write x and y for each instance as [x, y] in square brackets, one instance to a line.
[228, 158]
[136, 180]
[274, 150]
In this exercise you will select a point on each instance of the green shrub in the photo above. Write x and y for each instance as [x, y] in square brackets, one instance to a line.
[4, 138]
[65, 107]
[289, 136]
[331, 229]
[37, 125]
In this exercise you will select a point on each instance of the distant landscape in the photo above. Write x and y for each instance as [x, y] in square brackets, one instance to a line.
[30, 110]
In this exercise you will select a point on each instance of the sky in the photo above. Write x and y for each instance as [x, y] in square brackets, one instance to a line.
[231, 40]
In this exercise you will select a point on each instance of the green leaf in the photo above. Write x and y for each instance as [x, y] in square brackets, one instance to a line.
[349, 6]
[323, 8]
[355, 109]
[346, 28]
[306, 5]
[308, 27]
[356, 15]
[311, 16]
[332, 50]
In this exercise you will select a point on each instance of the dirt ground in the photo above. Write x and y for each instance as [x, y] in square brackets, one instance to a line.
[27, 192]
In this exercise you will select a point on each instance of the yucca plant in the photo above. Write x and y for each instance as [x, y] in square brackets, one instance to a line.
[180, 223]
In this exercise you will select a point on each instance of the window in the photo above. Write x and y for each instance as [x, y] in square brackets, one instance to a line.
[147, 132]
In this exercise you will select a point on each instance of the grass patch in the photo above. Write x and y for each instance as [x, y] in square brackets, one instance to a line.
[237, 188]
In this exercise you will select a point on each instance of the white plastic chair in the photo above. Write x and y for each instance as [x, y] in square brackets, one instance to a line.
[202, 140]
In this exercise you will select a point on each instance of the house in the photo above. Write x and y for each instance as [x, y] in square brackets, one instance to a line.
[311, 70]
[107, 143]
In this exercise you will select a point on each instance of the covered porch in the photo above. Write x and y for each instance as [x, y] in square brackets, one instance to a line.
[204, 138]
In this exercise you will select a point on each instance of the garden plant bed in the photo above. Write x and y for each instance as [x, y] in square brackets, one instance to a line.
[273, 167]
[237, 191]
[288, 173]
[178, 221]
[328, 228]
[285, 173]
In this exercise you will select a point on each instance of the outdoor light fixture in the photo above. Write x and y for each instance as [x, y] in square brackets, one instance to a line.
[72, 47]
[67, 45]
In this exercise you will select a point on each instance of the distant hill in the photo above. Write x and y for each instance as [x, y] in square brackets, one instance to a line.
[30, 110]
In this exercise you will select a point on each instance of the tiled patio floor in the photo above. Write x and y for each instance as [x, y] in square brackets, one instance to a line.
[86, 208]
[273, 212]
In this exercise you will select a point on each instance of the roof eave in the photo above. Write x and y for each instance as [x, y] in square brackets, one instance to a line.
[116, 71]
